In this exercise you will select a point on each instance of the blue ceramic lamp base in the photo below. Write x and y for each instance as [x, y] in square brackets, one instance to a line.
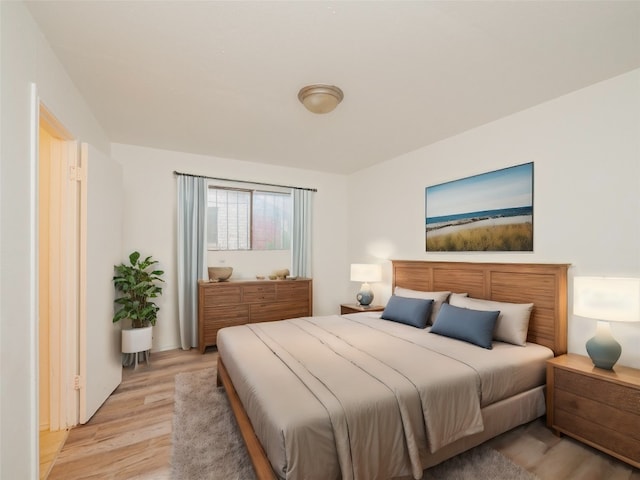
[603, 349]
[365, 295]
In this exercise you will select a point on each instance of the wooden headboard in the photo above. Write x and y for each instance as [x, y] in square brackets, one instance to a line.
[544, 285]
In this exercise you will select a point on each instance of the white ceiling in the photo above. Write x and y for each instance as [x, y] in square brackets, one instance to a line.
[221, 78]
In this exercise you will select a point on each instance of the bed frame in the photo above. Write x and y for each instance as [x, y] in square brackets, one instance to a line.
[543, 284]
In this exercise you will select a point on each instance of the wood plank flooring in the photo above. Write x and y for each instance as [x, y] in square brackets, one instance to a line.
[50, 445]
[130, 435]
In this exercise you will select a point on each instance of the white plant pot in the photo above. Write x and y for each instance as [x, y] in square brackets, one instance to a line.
[136, 340]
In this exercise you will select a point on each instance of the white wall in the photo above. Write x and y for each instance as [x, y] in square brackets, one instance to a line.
[150, 222]
[586, 152]
[26, 57]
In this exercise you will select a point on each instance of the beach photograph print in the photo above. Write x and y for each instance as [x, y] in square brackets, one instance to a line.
[490, 212]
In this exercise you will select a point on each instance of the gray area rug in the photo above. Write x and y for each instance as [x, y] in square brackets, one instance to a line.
[207, 444]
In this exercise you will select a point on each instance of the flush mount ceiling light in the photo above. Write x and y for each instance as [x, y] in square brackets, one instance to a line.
[320, 98]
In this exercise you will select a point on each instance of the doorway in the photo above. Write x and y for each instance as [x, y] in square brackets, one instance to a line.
[57, 287]
[79, 240]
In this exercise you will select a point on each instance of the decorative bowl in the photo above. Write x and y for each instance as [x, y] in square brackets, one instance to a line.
[219, 274]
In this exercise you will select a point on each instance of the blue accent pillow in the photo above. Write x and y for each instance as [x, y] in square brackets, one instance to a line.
[411, 311]
[473, 326]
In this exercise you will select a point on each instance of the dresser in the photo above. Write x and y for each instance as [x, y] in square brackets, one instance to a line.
[598, 407]
[224, 304]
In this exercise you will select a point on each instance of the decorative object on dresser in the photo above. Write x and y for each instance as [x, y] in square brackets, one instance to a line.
[346, 308]
[280, 274]
[606, 299]
[224, 304]
[598, 407]
[365, 272]
[137, 283]
[220, 274]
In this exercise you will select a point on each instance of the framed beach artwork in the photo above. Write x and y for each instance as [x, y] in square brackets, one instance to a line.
[490, 212]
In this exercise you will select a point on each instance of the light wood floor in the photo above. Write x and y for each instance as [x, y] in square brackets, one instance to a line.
[50, 445]
[130, 435]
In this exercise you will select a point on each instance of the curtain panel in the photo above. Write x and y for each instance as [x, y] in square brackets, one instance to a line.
[301, 232]
[192, 261]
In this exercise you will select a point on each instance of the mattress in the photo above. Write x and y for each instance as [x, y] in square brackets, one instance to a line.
[356, 396]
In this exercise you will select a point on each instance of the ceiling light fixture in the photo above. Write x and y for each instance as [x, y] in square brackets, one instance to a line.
[320, 98]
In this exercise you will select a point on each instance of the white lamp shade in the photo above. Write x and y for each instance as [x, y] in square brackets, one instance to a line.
[607, 298]
[365, 272]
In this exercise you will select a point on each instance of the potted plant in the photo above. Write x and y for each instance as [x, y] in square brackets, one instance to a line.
[137, 283]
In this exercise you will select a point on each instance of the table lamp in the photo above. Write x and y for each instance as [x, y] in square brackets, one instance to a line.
[365, 272]
[606, 299]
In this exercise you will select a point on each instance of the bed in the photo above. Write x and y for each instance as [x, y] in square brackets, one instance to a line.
[357, 396]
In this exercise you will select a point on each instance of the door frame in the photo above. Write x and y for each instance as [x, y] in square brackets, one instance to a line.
[64, 277]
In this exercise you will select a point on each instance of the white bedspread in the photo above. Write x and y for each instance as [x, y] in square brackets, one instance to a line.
[356, 397]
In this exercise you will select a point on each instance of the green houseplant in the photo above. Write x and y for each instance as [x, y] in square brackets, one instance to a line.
[137, 283]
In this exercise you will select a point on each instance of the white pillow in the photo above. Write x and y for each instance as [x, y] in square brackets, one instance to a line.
[512, 323]
[438, 299]
[453, 296]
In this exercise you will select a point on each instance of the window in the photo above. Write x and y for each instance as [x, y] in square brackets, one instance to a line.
[228, 219]
[248, 219]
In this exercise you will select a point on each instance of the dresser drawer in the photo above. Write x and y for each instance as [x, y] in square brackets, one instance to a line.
[259, 293]
[216, 318]
[607, 416]
[598, 434]
[221, 294]
[608, 393]
[292, 290]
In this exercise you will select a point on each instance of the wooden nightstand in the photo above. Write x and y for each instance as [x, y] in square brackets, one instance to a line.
[598, 407]
[355, 308]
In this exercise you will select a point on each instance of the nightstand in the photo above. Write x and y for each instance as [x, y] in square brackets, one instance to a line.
[355, 308]
[598, 407]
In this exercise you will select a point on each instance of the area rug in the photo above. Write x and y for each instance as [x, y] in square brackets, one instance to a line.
[207, 444]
